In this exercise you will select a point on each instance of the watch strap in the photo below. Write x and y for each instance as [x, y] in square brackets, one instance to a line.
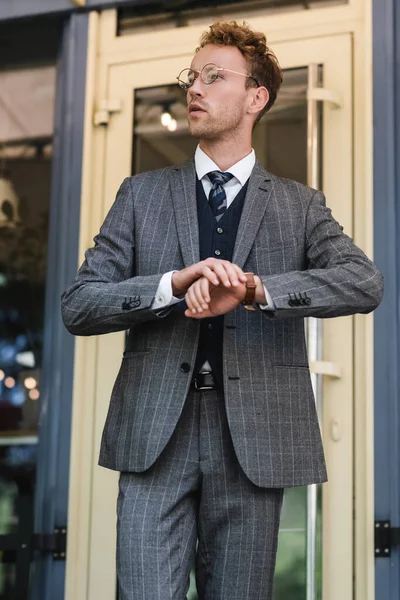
[250, 290]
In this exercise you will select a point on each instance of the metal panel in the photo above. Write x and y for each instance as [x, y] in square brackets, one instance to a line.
[14, 9]
[55, 426]
[386, 30]
[314, 326]
[29, 42]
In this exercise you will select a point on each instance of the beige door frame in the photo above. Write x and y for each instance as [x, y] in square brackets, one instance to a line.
[114, 62]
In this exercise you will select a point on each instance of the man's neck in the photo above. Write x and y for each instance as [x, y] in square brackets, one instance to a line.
[225, 154]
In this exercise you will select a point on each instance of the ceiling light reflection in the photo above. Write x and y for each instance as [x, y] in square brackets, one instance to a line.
[34, 394]
[166, 118]
[9, 382]
[173, 125]
[30, 383]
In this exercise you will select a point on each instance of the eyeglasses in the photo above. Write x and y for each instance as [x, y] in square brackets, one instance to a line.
[209, 73]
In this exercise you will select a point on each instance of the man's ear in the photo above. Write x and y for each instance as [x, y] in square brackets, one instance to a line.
[258, 99]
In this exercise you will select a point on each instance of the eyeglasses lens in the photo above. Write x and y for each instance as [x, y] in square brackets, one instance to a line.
[186, 78]
[209, 74]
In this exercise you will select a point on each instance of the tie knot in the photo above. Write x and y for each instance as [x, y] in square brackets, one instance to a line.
[219, 178]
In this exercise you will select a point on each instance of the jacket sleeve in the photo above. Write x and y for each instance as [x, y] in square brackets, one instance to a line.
[106, 296]
[339, 279]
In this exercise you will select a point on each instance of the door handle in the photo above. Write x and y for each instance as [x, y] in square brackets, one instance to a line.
[323, 367]
[324, 95]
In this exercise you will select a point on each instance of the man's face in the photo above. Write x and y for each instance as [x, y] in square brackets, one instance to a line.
[218, 110]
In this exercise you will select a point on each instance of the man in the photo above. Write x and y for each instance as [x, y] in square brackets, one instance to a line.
[212, 266]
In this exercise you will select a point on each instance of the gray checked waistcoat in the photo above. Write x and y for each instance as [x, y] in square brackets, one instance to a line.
[310, 267]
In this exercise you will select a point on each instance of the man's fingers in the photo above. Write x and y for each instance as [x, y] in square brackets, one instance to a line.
[215, 270]
[205, 291]
[197, 293]
[210, 275]
[200, 290]
[221, 272]
[233, 274]
[241, 276]
[230, 274]
[191, 300]
[227, 273]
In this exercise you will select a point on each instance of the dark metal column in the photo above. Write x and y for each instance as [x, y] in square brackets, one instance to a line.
[386, 55]
[55, 422]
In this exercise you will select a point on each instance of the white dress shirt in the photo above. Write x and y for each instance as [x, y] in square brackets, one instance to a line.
[241, 172]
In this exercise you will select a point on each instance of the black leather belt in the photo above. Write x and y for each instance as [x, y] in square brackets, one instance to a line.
[204, 381]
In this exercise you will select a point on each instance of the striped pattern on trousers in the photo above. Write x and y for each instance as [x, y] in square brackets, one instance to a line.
[197, 492]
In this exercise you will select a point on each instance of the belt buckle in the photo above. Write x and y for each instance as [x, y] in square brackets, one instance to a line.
[203, 387]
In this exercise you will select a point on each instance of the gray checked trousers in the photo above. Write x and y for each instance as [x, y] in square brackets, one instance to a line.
[196, 492]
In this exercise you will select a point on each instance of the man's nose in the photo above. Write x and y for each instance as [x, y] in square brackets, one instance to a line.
[197, 87]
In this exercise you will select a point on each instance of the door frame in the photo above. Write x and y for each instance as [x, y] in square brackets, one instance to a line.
[92, 355]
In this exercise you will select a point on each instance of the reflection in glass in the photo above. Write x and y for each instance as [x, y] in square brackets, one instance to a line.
[156, 16]
[280, 143]
[25, 169]
[279, 140]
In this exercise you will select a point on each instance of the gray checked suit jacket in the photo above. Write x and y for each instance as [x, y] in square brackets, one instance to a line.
[310, 268]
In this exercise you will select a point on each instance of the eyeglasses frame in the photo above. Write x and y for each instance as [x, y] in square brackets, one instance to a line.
[188, 86]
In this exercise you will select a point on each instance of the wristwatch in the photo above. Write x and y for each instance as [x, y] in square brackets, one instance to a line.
[248, 300]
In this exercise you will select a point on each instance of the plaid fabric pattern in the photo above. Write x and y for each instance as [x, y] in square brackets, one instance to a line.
[288, 236]
[197, 490]
[217, 197]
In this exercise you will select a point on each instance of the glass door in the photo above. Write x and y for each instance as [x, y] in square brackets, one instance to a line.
[147, 130]
[161, 138]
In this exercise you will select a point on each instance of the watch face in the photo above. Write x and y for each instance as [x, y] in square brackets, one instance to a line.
[250, 307]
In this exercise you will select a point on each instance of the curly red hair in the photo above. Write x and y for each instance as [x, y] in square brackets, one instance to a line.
[262, 62]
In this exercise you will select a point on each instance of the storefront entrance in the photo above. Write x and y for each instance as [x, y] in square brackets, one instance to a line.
[138, 123]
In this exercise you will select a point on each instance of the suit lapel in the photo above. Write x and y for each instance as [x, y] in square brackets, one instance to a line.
[183, 191]
[257, 198]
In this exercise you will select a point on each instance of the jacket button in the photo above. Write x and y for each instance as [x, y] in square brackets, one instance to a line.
[217, 252]
[185, 367]
[291, 302]
[220, 230]
[307, 301]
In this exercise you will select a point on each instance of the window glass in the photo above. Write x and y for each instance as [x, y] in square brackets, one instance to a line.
[161, 139]
[159, 15]
[26, 130]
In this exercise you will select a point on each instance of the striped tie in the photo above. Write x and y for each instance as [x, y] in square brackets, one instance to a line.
[217, 197]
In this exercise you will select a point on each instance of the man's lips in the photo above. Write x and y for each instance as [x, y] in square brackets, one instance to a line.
[194, 108]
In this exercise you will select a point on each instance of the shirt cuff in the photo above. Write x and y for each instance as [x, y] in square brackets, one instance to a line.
[271, 303]
[164, 297]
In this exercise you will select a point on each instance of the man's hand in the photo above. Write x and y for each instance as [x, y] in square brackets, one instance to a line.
[206, 300]
[215, 271]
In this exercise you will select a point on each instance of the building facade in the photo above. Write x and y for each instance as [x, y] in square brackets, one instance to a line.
[88, 96]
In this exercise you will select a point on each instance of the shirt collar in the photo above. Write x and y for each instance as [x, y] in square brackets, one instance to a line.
[241, 170]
